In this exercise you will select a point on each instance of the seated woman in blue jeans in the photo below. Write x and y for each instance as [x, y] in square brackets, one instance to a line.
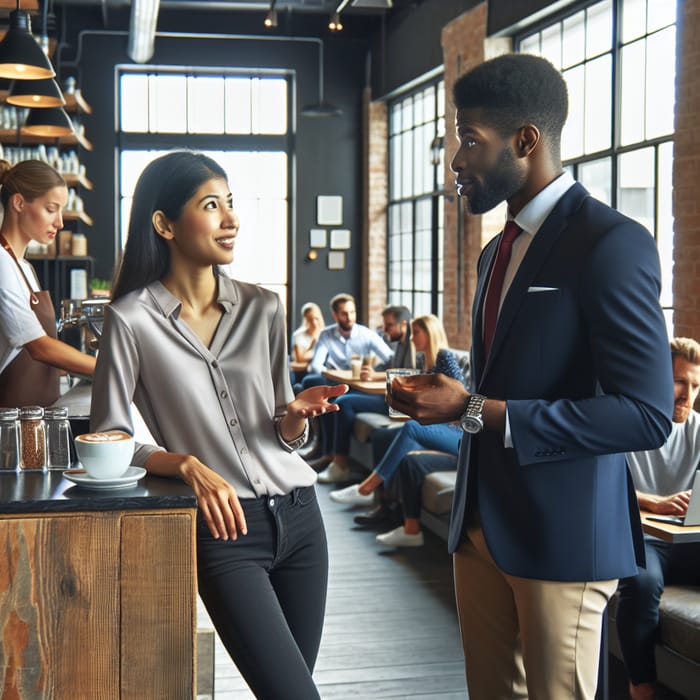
[429, 337]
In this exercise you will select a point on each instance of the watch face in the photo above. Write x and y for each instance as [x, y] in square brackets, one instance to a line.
[471, 424]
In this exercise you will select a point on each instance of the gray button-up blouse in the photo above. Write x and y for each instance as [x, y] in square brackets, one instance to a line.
[218, 403]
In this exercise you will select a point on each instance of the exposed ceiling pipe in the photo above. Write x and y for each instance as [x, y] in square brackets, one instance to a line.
[142, 29]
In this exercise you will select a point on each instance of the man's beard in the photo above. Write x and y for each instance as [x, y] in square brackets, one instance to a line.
[502, 181]
[680, 413]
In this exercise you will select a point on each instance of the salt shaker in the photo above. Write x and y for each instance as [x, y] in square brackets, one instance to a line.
[9, 439]
[32, 437]
[58, 437]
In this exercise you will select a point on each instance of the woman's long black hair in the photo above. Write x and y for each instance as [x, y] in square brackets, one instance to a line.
[166, 184]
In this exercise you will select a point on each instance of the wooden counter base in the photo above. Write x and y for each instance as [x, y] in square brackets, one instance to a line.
[98, 605]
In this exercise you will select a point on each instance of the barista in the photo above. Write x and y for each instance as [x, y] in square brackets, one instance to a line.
[33, 195]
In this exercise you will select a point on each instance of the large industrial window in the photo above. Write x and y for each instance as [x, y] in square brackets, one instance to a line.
[239, 120]
[618, 59]
[415, 221]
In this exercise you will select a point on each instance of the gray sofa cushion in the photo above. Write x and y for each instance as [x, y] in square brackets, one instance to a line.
[679, 623]
[438, 488]
[365, 423]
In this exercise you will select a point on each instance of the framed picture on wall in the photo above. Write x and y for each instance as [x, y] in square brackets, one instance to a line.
[317, 238]
[329, 210]
[340, 238]
[336, 260]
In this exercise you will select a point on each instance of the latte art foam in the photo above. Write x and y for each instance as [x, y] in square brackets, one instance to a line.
[107, 436]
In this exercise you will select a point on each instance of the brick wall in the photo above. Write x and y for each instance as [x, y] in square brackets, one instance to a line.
[463, 42]
[376, 193]
[686, 173]
[464, 46]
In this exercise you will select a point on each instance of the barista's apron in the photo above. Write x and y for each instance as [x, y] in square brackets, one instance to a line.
[26, 382]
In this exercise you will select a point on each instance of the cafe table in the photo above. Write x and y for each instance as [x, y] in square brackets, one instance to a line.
[97, 589]
[344, 376]
[670, 532]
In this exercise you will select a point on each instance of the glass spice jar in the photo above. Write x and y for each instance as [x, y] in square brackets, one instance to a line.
[9, 439]
[58, 438]
[32, 437]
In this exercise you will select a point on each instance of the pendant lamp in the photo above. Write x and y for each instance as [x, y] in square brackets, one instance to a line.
[51, 122]
[20, 55]
[35, 93]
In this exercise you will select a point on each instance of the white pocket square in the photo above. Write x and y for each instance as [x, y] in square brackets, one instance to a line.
[542, 289]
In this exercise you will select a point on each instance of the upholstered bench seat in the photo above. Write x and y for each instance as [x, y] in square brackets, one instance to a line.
[678, 646]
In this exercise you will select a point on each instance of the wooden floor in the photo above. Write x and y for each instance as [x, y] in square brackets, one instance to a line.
[391, 627]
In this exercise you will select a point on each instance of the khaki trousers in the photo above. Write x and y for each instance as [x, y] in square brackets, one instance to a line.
[526, 638]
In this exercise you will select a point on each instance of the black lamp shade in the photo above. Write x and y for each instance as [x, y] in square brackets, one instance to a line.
[35, 93]
[20, 55]
[52, 122]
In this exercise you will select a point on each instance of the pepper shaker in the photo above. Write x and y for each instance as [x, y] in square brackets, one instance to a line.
[32, 438]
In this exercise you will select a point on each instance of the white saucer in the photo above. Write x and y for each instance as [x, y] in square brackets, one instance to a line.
[80, 477]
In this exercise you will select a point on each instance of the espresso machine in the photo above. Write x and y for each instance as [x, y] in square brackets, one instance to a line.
[87, 315]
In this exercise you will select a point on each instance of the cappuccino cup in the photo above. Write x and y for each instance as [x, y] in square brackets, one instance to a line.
[105, 455]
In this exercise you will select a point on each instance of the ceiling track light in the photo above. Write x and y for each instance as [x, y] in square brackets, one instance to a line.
[335, 24]
[21, 56]
[271, 17]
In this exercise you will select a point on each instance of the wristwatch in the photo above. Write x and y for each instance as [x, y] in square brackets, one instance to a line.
[472, 420]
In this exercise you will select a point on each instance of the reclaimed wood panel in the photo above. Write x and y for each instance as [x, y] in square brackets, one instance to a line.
[59, 607]
[158, 606]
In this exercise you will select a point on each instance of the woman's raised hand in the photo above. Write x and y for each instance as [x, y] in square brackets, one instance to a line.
[316, 400]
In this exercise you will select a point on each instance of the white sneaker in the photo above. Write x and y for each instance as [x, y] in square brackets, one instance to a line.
[351, 496]
[334, 474]
[400, 538]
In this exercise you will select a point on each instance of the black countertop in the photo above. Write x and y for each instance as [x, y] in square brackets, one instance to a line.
[49, 492]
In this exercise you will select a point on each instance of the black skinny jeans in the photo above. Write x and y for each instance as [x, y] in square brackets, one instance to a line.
[266, 592]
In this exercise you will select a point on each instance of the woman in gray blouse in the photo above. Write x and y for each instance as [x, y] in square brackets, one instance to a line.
[204, 359]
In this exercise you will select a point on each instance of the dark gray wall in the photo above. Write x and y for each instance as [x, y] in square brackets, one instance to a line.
[408, 45]
[328, 150]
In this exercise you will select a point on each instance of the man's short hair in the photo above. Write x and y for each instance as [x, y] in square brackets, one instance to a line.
[687, 348]
[400, 313]
[342, 298]
[515, 90]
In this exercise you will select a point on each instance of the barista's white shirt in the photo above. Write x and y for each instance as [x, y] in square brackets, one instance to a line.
[18, 323]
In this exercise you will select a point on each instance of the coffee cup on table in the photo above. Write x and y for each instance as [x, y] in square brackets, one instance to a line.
[356, 366]
[105, 455]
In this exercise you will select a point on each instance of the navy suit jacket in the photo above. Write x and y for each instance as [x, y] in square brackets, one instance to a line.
[581, 356]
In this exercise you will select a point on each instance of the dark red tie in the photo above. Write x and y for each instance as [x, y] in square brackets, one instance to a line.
[493, 294]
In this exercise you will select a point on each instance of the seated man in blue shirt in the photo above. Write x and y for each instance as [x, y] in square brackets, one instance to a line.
[662, 478]
[340, 341]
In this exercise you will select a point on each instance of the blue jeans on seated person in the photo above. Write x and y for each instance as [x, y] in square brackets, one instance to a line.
[414, 467]
[443, 437]
[637, 616]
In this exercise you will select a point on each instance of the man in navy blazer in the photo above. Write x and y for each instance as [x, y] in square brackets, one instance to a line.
[544, 519]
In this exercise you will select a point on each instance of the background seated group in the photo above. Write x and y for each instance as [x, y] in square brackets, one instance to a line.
[421, 343]
[430, 341]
